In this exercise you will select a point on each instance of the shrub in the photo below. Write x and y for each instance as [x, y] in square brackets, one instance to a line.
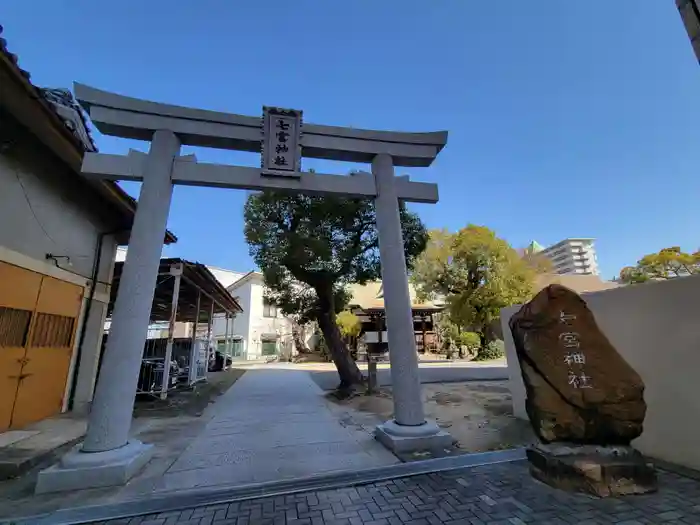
[470, 340]
[494, 350]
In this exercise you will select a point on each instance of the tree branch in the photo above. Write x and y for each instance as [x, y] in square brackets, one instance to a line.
[350, 255]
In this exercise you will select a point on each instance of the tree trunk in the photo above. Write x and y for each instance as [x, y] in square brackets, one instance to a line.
[298, 337]
[483, 339]
[347, 368]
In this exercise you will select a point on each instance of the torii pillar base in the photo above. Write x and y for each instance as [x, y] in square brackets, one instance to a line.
[85, 470]
[403, 438]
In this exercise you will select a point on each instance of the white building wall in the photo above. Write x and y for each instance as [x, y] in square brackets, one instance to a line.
[251, 325]
[225, 277]
[241, 323]
[261, 326]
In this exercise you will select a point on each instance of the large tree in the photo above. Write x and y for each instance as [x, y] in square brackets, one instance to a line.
[477, 273]
[665, 264]
[309, 248]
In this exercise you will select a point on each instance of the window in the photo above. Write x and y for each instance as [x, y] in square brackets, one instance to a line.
[14, 326]
[269, 347]
[52, 331]
[269, 310]
[237, 348]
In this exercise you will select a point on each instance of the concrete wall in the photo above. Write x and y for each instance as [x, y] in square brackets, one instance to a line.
[261, 325]
[251, 325]
[44, 210]
[655, 328]
[241, 323]
[43, 217]
[95, 316]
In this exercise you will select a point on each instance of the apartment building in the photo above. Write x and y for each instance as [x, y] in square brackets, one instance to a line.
[570, 256]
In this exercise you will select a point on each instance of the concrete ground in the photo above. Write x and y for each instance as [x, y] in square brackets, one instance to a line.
[502, 493]
[21, 450]
[430, 372]
[273, 424]
[44, 442]
[172, 436]
[477, 414]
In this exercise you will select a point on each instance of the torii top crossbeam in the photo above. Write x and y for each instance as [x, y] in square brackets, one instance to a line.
[135, 118]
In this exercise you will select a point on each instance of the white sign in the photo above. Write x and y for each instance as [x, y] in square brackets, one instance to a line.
[281, 145]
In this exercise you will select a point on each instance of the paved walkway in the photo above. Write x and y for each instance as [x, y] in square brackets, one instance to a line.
[492, 494]
[271, 425]
[442, 372]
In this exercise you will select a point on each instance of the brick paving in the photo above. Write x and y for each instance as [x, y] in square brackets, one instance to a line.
[486, 495]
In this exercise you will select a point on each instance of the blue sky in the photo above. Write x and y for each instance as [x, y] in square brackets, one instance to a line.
[565, 118]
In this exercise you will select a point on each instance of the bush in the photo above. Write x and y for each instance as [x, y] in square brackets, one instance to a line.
[494, 350]
[470, 340]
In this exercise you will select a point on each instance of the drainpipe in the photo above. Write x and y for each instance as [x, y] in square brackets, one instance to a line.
[88, 308]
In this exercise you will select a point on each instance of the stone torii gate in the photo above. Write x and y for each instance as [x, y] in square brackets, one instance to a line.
[108, 456]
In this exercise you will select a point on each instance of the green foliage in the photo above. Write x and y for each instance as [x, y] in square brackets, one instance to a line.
[666, 264]
[470, 340]
[494, 350]
[298, 300]
[309, 248]
[537, 262]
[349, 324]
[477, 272]
[306, 244]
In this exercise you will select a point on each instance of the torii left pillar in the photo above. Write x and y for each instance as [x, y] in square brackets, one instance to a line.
[108, 457]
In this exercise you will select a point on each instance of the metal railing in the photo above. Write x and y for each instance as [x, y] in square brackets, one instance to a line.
[181, 372]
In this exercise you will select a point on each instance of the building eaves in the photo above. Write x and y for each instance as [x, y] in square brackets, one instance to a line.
[81, 142]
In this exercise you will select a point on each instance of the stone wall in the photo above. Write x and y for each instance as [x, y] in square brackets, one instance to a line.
[656, 328]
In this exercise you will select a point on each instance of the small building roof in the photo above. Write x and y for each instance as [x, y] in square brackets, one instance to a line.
[534, 247]
[370, 298]
[578, 283]
[196, 279]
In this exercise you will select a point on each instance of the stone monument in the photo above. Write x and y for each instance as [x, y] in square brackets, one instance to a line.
[584, 401]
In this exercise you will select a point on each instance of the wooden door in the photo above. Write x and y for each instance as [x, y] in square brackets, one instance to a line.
[19, 292]
[49, 347]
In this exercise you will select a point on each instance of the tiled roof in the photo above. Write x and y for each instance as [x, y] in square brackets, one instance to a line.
[577, 283]
[51, 101]
[60, 102]
[370, 296]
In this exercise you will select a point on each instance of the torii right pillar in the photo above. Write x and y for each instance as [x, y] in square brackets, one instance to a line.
[409, 430]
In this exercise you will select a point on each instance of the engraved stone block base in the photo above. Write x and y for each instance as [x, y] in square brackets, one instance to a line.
[82, 470]
[601, 471]
[402, 438]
